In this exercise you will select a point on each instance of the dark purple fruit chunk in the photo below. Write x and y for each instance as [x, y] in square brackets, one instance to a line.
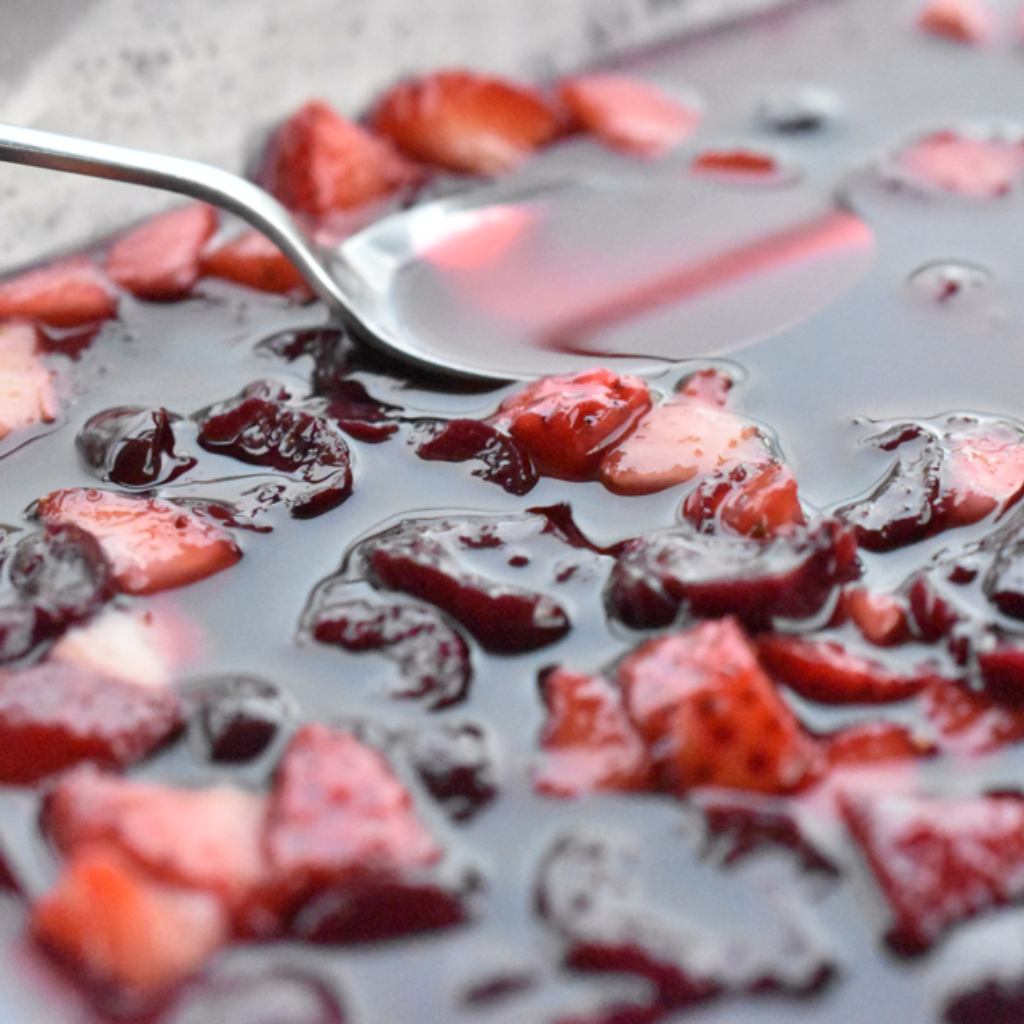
[994, 1002]
[432, 658]
[62, 572]
[456, 764]
[504, 462]
[260, 429]
[373, 912]
[133, 447]
[274, 997]
[421, 558]
[660, 576]
[359, 415]
[236, 718]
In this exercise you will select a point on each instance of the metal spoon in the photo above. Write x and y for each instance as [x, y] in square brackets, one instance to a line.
[638, 271]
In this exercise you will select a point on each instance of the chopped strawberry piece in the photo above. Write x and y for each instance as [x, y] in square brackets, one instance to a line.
[739, 163]
[53, 716]
[962, 21]
[880, 618]
[939, 862]
[465, 122]
[253, 260]
[825, 671]
[628, 114]
[931, 615]
[589, 742]
[964, 165]
[71, 293]
[146, 648]
[1001, 666]
[339, 815]
[27, 395]
[159, 261]
[678, 441]
[759, 502]
[567, 423]
[711, 716]
[124, 931]
[151, 544]
[709, 387]
[319, 163]
[207, 839]
[870, 743]
[970, 721]
[983, 470]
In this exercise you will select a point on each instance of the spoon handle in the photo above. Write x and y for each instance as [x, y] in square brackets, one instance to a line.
[209, 184]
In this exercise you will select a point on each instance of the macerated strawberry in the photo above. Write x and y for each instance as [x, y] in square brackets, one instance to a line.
[939, 862]
[965, 165]
[71, 293]
[207, 839]
[968, 721]
[824, 671]
[589, 743]
[983, 470]
[880, 618]
[339, 815]
[962, 21]
[159, 260]
[736, 163]
[628, 114]
[567, 423]
[869, 743]
[253, 260]
[53, 716]
[466, 122]
[151, 544]
[710, 715]
[320, 163]
[678, 441]
[27, 394]
[750, 501]
[123, 930]
[144, 647]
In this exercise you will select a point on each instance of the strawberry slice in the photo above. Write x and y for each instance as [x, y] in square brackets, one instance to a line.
[145, 647]
[710, 715]
[749, 501]
[253, 260]
[465, 122]
[970, 721]
[824, 671]
[961, 21]
[567, 423]
[882, 619]
[208, 839]
[975, 167]
[53, 716]
[983, 470]
[589, 742]
[628, 114]
[875, 742]
[124, 931]
[27, 395]
[71, 293]
[680, 440]
[339, 815]
[749, 164]
[939, 862]
[319, 163]
[160, 260]
[151, 544]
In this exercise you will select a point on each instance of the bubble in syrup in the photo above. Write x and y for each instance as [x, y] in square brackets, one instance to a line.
[949, 282]
[795, 109]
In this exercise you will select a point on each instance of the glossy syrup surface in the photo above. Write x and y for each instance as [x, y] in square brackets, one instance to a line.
[895, 303]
